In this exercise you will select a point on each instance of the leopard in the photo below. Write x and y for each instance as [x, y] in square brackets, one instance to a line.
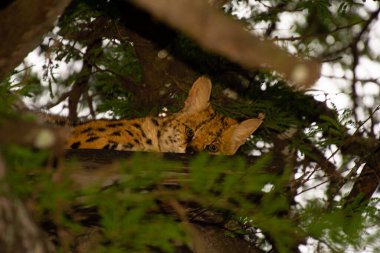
[196, 127]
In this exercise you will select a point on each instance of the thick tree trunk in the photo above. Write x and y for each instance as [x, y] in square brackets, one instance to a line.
[19, 233]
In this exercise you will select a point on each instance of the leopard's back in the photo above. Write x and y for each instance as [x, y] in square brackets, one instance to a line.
[126, 134]
[196, 127]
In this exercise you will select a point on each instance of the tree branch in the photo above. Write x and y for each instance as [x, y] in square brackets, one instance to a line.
[22, 26]
[32, 135]
[80, 85]
[215, 31]
[368, 180]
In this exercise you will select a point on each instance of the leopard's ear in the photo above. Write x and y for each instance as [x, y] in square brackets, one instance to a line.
[238, 134]
[199, 96]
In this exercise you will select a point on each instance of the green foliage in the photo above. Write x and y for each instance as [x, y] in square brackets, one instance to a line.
[6, 99]
[337, 227]
[79, 11]
[132, 210]
[12, 91]
[248, 197]
[24, 163]
[120, 65]
[30, 88]
[29, 180]
[233, 187]
[110, 70]
[130, 214]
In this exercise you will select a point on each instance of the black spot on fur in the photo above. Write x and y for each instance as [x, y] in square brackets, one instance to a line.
[209, 119]
[136, 141]
[155, 122]
[129, 132]
[116, 133]
[75, 145]
[92, 139]
[128, 145]
[101, 129]
[172, 139]
[138, 126]
[224, 121]
[115, 124]
[86, 130]
[113, 145]
[158, 134]
[149, 141]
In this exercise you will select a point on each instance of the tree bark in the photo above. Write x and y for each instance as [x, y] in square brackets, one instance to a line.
[218, 33]
[19, 233]
[369, 179]
[23, 24]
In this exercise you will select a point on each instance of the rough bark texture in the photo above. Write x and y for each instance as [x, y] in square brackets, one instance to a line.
[369, 179]
[19, 231]
[209, 239]
[23, 24]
